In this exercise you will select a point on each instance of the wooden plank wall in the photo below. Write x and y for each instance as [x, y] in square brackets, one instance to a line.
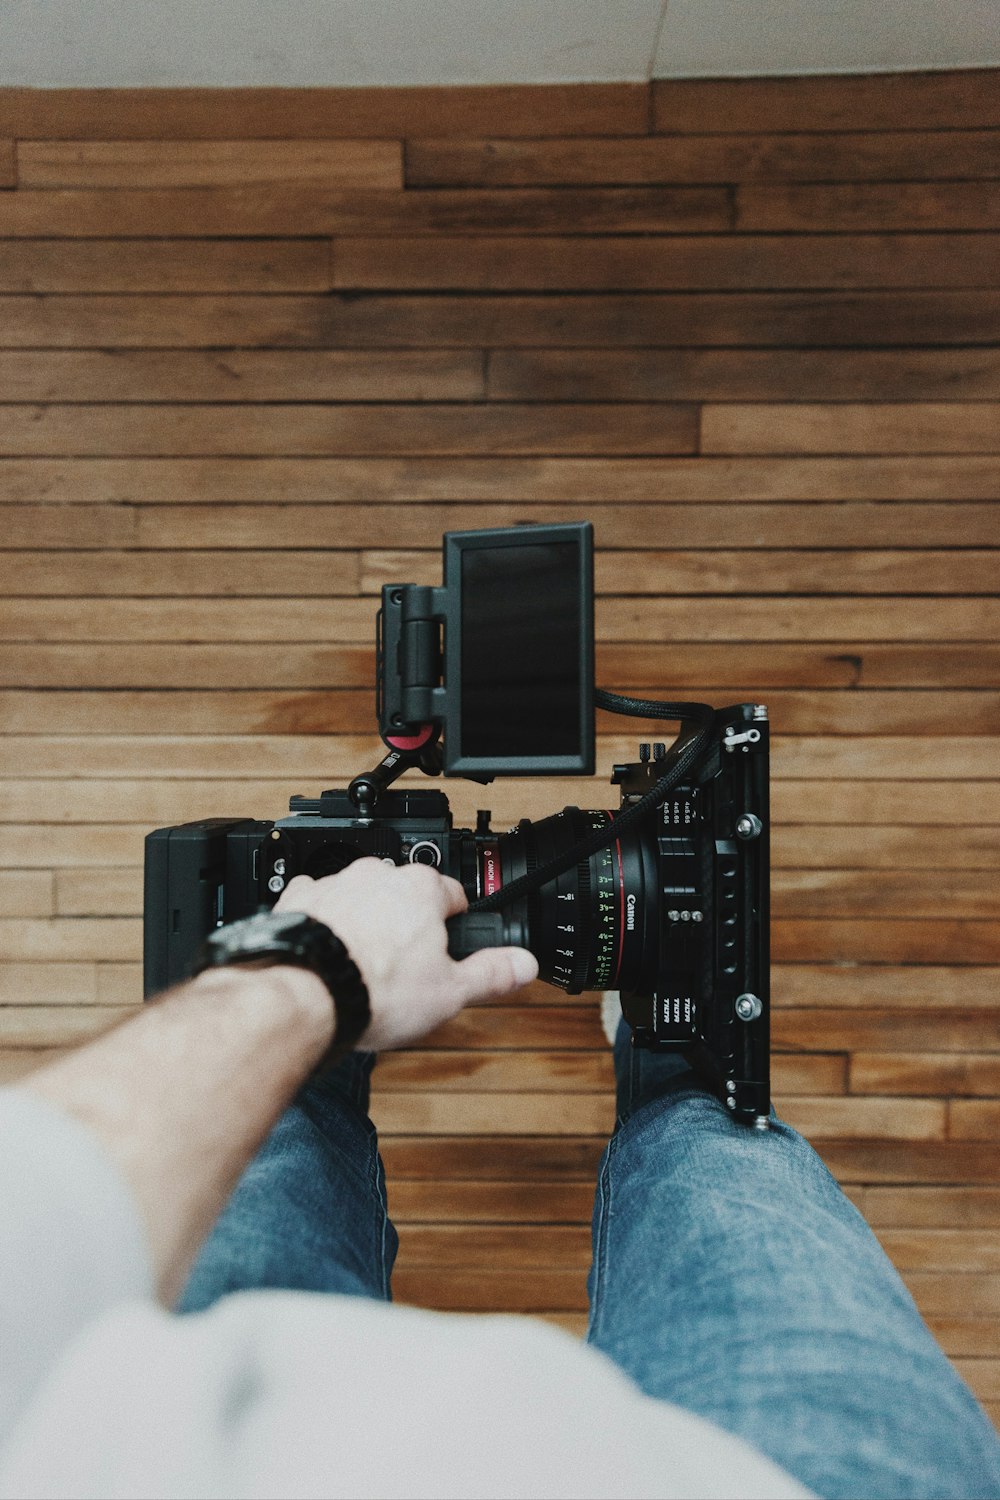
[259, 349]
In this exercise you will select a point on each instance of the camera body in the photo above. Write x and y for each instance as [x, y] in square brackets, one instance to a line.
[676, 917]
[665, 901]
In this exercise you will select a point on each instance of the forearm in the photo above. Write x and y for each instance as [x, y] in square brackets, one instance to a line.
[182, 1096]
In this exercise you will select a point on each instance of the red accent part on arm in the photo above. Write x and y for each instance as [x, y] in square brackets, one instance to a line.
[410, 741]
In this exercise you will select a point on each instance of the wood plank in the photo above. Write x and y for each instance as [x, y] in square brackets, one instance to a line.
[212, 619]
[962, 98]
[853, 207]
[482, 1290]
[968, 1336]
[278, 211]
[943, 1162]
[748, 374]
[952, 1250]
[973, 1119]
[447, 1072]
[545, 1159]
[983, 1376]
[98, 892]
[119, 984]
[852, 940]
[735, 667]
[799, 619]
[932, 1208]
[852, 156]
[578, 320]
[890, 1030]
[616, 620]
[895, 893]
[288, 575]
[206, 756]
[66, 939]
[968, 1294]
[240, 376]
[718, 666]
[291, 265]
[491, 1202]
[505, 1114]
[322, 113]
[374, 481]
[35, 1026]
[39, 983]
[501, 1247]
[323, 164]
[930, 427]
[652, 428]
[26, 893]
[8, 164]
[962, 849]
[168, 712]
[650, 263]
[922, 712]
[938, 1074]
[338, 527]
[884, 987]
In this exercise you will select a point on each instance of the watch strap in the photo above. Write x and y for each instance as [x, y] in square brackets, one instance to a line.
[300, 940]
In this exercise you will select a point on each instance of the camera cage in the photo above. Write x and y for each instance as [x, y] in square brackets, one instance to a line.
[721, 754]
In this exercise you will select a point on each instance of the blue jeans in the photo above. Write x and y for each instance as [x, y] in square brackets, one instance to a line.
[730, 1275]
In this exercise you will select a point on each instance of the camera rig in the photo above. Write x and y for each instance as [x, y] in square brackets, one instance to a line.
[665, 900]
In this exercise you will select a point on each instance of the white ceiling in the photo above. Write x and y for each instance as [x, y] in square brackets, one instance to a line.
[287, 43]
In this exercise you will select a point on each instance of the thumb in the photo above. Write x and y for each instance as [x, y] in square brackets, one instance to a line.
[495, 971]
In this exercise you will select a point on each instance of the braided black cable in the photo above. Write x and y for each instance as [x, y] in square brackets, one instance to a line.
[628, 817]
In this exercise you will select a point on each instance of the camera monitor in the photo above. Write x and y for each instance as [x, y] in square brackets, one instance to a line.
[519, 668]
[501, 659]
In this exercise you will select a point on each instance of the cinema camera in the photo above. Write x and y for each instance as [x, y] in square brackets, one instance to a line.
[665, 901]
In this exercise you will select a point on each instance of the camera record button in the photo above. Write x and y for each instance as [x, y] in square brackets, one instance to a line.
[426, 852]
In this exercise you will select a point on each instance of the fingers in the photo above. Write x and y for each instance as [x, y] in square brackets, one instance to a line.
[493, 972]
[455, 898]
[296, 895]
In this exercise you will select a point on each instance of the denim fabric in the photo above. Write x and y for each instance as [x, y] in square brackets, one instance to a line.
[730, 1276]
[309, 1213]
[733, 1277]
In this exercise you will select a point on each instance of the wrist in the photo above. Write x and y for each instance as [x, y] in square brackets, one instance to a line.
[275, 993]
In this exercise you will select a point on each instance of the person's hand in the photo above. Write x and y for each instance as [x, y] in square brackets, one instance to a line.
[391, 920]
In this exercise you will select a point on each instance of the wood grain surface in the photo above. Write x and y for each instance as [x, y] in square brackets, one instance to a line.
[259, 349]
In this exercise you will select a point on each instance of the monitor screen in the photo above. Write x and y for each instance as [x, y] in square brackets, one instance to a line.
[526, 654]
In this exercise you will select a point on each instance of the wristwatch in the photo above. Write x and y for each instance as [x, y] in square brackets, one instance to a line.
[290, 937]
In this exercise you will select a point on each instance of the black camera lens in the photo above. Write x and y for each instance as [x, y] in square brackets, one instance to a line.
[594, 927]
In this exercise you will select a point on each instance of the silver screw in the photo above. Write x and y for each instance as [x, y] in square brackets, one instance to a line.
[730, 1103]
[761, 1122]
[730, 1086]
[748, 826]
[760, 710]
[674, 916]
[748, 1007]
[276, 884]
[697, 916]
[279, 867]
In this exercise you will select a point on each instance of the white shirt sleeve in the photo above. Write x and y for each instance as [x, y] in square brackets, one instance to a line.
[71, 1244]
